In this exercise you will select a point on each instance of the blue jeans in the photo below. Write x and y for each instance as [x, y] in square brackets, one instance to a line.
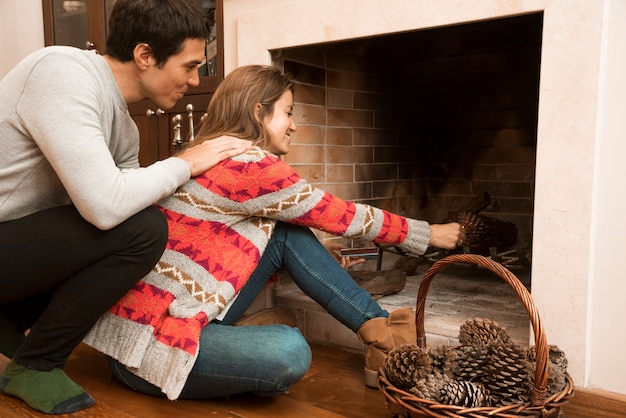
[269, 359]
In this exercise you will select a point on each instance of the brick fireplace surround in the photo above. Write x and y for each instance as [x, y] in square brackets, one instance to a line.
[422, 122]
[550, 149]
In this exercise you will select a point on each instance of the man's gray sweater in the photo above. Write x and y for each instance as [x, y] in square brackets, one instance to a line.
[66, 136]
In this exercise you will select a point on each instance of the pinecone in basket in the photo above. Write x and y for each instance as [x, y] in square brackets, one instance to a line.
[406, 364]
[464, 393]
[557, 369]
[429, 387]
[479, 332]
[475, 228]
[508, 374]
[471, 363]
[444, 360]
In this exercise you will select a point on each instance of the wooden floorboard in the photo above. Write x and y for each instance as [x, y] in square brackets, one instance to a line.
[332, 388]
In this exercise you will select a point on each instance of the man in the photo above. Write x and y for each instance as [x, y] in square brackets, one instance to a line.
[77, 226]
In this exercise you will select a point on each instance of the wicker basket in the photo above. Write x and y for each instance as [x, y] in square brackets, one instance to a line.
[407, 404]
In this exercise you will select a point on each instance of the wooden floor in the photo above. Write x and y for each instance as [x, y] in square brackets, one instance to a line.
[332, 388]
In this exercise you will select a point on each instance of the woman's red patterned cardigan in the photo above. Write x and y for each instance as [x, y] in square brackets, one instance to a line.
[219, 225]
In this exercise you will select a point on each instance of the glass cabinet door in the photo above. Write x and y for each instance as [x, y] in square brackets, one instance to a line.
[70, 22]
[209, 67]
[78, 23]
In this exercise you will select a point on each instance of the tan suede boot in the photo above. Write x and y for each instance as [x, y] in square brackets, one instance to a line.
[381, 335]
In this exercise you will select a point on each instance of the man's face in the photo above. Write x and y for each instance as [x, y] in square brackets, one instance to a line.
[168, 84]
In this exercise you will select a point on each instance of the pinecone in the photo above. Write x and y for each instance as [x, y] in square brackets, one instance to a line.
[475, 227]
[444, 360]
[557, 368]
[405, 364]
[480, 332]
[508, 374]
[429, 387]
[471, 363]
[484, 232]
[464, 393]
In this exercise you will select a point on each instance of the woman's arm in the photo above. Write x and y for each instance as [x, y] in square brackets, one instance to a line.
[268, 187]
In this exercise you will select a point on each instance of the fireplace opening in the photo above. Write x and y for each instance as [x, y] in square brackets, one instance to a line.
[425, 123]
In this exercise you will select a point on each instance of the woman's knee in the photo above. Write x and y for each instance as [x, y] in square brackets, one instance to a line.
[278, 355]
[286, 358]
[289, 354]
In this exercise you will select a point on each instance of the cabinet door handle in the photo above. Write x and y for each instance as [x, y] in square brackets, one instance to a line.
[177, 141]
[90, 45]
[151, 112]
[192, 133]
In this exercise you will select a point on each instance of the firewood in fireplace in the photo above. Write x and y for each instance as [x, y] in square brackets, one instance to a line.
[407, 264]
[381, 282]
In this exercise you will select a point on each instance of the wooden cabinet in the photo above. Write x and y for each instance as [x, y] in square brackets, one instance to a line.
[83, 24]
[157, 127]
[76, 23]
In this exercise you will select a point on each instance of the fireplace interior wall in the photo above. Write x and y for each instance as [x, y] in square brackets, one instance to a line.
[420, 123]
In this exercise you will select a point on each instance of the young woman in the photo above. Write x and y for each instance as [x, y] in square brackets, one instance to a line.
[230, 229]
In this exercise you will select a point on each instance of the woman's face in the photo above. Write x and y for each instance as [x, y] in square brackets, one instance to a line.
[280, 124]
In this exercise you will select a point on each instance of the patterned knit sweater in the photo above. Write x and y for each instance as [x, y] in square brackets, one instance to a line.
[219, 225]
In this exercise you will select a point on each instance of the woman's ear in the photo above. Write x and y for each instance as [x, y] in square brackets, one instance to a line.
[257, 112]
[142, 54]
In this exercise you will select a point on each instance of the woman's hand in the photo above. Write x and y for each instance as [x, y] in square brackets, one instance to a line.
[447, 236]
[345, 262]
[208, 153]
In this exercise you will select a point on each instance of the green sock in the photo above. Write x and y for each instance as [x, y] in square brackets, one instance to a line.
[10, 337]
[50, 392]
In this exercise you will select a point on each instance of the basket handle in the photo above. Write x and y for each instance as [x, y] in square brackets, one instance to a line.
[541, 345]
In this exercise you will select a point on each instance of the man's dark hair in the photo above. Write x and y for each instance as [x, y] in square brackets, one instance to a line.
[162, 24]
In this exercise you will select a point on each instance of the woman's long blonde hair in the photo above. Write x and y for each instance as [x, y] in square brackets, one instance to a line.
[233, 107]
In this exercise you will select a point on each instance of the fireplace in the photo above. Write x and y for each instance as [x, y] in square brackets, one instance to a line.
[426, 122]
[566, 134]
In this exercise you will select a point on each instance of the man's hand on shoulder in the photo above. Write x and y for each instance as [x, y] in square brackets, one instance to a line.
[207, 154]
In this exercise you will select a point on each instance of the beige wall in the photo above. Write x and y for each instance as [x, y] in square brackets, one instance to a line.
[608, 270]
[21, 31]
[231, 25]
[578, 274]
